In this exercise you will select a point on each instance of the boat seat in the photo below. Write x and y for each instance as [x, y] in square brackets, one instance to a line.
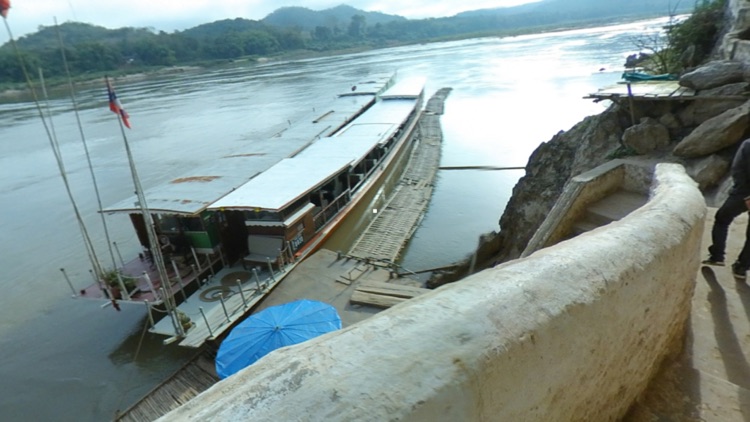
[262, 248]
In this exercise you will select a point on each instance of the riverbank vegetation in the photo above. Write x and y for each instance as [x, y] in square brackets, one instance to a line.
[91, 51]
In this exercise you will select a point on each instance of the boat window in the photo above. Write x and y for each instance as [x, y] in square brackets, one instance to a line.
[262, 215]
[168, 223]
[192, 224]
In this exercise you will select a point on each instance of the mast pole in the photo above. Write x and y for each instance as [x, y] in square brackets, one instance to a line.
[150, 230]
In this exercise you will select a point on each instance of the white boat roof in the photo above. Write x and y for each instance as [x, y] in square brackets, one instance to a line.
[408, 88]
[379, 121]
[191, 193]
[283, 183]
[293, 178]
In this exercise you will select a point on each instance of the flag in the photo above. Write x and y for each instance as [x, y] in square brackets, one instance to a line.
[114, 103]
[4, 6]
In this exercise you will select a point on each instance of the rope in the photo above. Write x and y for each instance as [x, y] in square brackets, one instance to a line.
[130, 376]
[85, 144]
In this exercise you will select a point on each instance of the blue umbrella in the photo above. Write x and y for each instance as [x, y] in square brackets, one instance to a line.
[272, 328]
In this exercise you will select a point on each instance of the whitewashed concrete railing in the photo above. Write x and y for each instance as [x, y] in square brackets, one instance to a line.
[573, 332]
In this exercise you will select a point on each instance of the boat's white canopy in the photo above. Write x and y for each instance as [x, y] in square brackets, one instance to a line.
[283, 183]
[410, 88]
[191, 193]
[379, 122]
[295, 177]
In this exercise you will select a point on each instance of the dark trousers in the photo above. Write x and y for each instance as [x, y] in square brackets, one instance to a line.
[730, 209]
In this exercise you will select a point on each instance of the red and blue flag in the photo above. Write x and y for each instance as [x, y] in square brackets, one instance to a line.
[114, 104]
[4, 6]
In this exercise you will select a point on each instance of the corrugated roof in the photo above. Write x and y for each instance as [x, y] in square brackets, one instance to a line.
[292, 178]
[191, 193]
[407, 88]
[381, 120]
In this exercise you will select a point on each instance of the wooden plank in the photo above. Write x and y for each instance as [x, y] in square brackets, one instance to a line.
[375, 300]
[391, 289]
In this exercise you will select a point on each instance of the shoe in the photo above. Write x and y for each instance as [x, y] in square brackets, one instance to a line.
[714, 262]
[739, 271]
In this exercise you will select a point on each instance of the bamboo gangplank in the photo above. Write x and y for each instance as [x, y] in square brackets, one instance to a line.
[388, 233]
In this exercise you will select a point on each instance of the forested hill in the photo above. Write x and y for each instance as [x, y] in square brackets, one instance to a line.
[91, 49]
[305, 18]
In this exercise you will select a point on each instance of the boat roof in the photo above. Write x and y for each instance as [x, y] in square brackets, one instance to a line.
[380, 121]
[191, 193]
[371, 86]
[290, 179]
[410, 88]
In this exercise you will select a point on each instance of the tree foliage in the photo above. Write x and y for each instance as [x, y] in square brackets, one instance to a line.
[684, 43]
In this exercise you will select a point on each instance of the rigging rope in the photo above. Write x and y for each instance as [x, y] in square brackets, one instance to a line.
[87, 240]
[86, 150]
[129, 379]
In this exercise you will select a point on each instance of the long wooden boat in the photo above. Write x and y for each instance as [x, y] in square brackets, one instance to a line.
[230, 232]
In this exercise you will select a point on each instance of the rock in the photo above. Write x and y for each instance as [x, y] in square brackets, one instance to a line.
[716, 133]
[670, 121]
[645, 137]
[585, 146]
[698, 111]
[713, 74]
[735, 89]
[709, 171]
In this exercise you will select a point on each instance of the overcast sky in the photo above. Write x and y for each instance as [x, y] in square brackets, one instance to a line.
[25, 16]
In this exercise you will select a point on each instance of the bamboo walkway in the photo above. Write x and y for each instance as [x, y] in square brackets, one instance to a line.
[192, 379]
[389, 232]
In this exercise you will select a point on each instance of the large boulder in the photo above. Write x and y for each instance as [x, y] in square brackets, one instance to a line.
[716, 133]
[712, 102]
[645, 137]
[709, 171]
[713, 74]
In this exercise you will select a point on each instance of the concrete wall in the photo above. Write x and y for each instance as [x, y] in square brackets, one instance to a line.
[572, 332]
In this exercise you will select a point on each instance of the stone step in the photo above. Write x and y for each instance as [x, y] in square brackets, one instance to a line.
[607, 210]
[614, 207]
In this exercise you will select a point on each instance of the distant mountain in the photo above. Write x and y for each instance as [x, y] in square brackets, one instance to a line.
[304, 18]
[76, 33]
[582, 9]
[217, 28]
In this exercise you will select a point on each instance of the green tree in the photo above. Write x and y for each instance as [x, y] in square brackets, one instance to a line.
[323, 33]
[259, 42]
[153, 53]
[357, 27]
[228, 46]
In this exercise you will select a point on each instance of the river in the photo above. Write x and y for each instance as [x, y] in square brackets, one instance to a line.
[69, 359]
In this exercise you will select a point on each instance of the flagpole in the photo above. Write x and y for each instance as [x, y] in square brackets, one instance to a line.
[149, 222]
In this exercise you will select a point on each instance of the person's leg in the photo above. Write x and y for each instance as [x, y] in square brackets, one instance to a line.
[743, 260]
[729, 210]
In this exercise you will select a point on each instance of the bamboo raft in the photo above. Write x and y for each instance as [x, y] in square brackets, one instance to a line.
[393, 226]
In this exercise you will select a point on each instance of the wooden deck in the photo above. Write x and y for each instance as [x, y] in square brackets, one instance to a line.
[395, 223]
[645, 90]
[222, 301]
